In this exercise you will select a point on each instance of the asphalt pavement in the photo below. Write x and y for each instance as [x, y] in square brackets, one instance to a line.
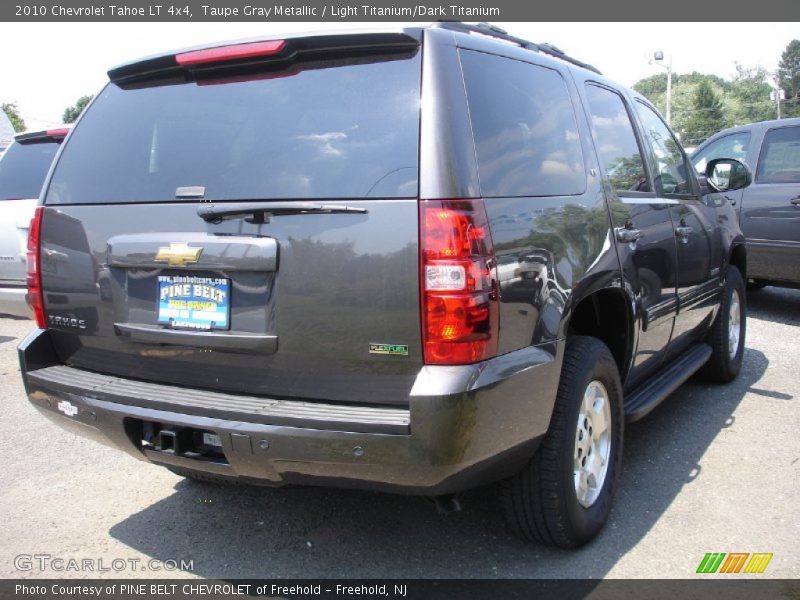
[713, 469]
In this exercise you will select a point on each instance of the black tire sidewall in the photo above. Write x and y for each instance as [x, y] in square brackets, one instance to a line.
[584, 523]
[733, 282]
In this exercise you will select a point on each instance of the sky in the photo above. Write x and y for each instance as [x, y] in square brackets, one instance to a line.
[45, 67]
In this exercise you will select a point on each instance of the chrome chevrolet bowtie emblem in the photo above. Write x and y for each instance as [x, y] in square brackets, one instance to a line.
[178, 255]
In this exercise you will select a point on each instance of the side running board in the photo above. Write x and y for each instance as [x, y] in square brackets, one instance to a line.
[646, 397]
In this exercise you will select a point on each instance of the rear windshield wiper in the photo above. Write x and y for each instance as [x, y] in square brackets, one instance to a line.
[261, 212]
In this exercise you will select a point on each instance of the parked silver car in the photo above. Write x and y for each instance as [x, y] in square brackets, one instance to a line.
[22, 171]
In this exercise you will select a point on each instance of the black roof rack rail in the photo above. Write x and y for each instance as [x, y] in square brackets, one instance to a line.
[496, 32]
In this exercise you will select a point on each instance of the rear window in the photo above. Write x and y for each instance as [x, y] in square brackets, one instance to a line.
[350, 131]
[526, 135]
[23, 169]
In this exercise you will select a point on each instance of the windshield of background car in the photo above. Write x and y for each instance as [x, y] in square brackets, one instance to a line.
[23, 169]
[731, 146]
[350, 131]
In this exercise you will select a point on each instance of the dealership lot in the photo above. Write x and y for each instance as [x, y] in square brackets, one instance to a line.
[713, 469]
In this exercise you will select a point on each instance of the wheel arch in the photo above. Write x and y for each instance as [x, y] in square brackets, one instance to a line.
[738, 258]
[606, 314]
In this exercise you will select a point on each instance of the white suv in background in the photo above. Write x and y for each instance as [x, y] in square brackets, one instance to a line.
[22, 171]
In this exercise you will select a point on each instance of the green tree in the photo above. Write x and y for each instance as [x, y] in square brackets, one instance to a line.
[749, 97]
[706, 115]
[789, 78]
[653, 85]
[71, 113]
[12, 112]
[695, 78]
[684, 89]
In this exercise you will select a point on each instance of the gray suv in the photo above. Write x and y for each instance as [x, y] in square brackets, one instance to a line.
[768, 208]
[416, 261]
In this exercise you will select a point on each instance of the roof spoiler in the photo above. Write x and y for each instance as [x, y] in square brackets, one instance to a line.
[280, 52]
[49, 135]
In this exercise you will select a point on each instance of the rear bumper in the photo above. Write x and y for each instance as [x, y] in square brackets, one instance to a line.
[12, 302]
[464, 426]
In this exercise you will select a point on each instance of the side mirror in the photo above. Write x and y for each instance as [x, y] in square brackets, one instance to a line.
[727, 175]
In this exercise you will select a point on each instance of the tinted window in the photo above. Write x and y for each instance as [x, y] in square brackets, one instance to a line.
[523, 121]
[780, 156]
[730, 146]
[672, 172]
[346, 132]
[23, 169]
[616, 143]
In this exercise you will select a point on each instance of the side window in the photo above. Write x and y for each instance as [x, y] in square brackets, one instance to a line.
[616, 143]
[730, 146]
[780, 156]
[524, 125]
[672, 168]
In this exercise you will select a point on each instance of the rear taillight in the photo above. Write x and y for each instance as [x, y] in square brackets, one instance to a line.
[460, 314]
[34, 270]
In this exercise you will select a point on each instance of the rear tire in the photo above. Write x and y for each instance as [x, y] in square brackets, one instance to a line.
[728, 344]
[549, 501]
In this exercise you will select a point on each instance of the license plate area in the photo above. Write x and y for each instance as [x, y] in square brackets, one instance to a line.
[194, 302]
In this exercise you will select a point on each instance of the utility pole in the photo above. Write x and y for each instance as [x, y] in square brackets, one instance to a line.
[658, 56]
[778, 94]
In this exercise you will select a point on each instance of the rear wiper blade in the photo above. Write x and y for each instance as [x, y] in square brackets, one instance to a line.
[261, 212]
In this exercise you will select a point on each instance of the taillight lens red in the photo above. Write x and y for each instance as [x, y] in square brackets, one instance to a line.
[35, 295]
[232, 52]
[460, 314]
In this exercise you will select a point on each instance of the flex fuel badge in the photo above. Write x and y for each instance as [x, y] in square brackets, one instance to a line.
[394, 349]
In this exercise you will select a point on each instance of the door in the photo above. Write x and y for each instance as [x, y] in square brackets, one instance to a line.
[770, 217]
[643, 226]
[696, 231]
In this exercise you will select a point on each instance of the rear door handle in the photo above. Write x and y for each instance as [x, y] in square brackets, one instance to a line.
[628, 235]
[683, 231]
[795, 201]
